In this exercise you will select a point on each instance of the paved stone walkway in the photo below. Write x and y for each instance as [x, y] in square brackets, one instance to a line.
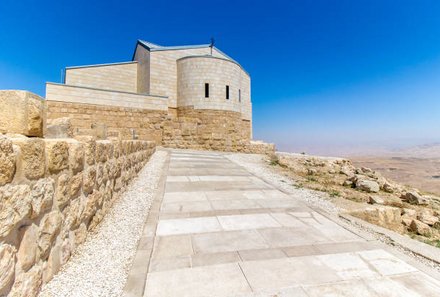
[224, 232]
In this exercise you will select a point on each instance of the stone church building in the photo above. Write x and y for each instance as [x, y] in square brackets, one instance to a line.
[192, 96]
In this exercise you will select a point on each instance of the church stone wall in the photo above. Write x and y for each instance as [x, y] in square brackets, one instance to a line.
[116, 77]
[142, 56]
[193, 72]
[85, 95]
[163, 70]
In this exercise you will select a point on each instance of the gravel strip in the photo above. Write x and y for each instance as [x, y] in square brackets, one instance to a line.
[256, 165]
[100, 266]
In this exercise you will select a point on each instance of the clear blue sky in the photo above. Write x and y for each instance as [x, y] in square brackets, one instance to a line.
[327, 75]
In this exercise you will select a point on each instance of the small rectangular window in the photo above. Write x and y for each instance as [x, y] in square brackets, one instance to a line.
[206, 90]
[239, 95]
[227, 92]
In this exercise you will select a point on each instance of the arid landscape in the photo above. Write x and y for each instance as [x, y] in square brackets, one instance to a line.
[416, 166]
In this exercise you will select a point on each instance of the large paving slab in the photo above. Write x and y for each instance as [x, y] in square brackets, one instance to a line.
[221, 231]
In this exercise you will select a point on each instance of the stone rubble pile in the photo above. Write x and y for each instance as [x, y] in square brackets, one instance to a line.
[384, 203]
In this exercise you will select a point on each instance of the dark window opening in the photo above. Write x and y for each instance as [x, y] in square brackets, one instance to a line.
[227, 92]
[206, 90]
[239, 95]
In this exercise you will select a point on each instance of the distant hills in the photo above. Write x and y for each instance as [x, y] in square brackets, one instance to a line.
[426, 151]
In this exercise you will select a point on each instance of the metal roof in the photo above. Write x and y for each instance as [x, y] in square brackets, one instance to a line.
[155, 47]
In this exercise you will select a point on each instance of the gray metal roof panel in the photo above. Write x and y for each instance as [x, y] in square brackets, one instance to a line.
[155, 47]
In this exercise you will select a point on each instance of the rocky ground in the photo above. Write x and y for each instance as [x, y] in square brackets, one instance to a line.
[100, 266]
[365, 193]
[422, 173]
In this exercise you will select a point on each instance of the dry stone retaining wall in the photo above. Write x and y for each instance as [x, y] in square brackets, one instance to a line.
[120, 121]
[52, 193]
[207, 129]
[183, 127]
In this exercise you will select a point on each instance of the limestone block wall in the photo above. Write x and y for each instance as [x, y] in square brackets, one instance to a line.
[52, 193]
[183, 127]
[85, 95]
[142, 56]
[260, 147]
[163, 70]
[21, 112]
[116, 77]
[192, 74]
[221, 130]
[120, 121]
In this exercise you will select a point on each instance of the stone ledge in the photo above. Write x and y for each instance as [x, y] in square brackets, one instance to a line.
[22, 112]
[426, 251]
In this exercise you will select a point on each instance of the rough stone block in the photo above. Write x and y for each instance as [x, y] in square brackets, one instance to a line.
[42, 196]
[27, 284]
[7, 161]
[93, 203]
[59, 128]
[49, 228]
[62, 192]
[53, 263]
[72, 214]
[57, 155]
[89, 144]
[27, 253]
[104, 150]
[31, 156]
[22, 112]
[14, 207]
[385, 216]
[75, 183]
[99, 130]
[76, 156]
[7, 267]
[89, 179]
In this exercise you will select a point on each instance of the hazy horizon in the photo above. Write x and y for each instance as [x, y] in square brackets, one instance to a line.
[328, 77]
[356, 150]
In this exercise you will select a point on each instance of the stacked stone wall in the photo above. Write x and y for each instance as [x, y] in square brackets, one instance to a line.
[183, 127]
[53, 192]
[260, 147]
[120, 122]
[207, 130]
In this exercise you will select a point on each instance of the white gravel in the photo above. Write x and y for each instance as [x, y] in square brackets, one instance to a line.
[256, 164]
[100, 266]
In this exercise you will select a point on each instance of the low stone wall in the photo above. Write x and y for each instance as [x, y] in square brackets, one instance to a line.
[52, 193]
[260, 147]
